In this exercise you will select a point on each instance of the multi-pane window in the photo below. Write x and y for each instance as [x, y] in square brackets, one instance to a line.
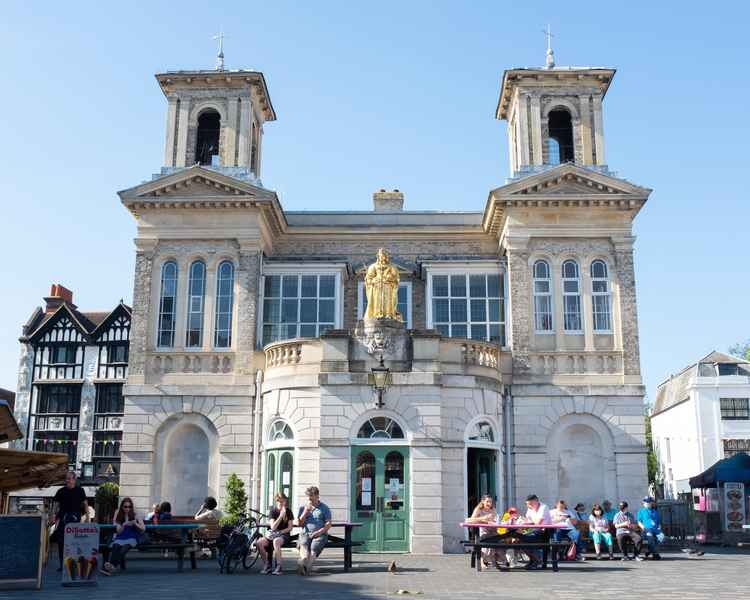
[298, 306]
[196, 295]
[56, 418]
[224, 302]
[403, 302]
[600, 294]
[735, 408]
[542, 297]
[469, 306]
[63, 354]
[167, 305]
[571, 281]
[108, 418]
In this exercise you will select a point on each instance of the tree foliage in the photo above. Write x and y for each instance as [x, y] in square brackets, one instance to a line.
[741, 350]
[235, 501]
[651, 464]
[107, 497]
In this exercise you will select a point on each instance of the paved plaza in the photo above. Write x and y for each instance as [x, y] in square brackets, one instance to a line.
[717, 575]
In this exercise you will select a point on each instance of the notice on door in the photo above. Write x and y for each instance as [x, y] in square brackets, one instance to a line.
[366, 484]
[366, 498]
[393, 485]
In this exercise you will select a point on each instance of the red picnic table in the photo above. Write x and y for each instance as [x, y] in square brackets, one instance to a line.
[524, 536]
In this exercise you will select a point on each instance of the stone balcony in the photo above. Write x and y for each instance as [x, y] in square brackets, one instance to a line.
[185, 367]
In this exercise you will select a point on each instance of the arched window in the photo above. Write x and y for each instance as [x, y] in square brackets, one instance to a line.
[207, 142]
[167, 305]
[380, 428]
[482, 431]
[224, 303]
[571, 296]
[600, 296]
[196, 292]
[542, 297]
[560, 142]
[280, 431]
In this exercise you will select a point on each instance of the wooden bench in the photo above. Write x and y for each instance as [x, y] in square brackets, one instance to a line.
[334, 542]
[548, 548]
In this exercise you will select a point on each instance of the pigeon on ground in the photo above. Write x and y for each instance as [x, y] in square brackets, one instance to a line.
[392, 567]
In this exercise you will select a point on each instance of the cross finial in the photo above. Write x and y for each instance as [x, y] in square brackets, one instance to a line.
[220, 55]
[550, 62]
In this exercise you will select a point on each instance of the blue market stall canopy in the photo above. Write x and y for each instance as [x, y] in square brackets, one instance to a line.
[735, 468]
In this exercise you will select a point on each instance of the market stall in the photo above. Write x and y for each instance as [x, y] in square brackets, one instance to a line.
[721, 501]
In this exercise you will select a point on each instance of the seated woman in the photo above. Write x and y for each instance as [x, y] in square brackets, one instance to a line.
[208, 511]
[280, 523]
[599, 529]
[485, 512]
[129, 528]
[561, 514]
[164, 513]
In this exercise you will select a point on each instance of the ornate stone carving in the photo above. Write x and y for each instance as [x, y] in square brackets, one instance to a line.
[383, 337]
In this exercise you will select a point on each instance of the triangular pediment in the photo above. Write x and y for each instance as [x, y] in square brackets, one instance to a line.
[196, 182]
[63, 318]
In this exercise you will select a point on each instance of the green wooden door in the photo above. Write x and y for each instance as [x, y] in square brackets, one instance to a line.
[380, 497]
[279, 474]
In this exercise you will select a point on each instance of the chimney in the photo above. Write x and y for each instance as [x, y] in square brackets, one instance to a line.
[58, 294]
[388, 201]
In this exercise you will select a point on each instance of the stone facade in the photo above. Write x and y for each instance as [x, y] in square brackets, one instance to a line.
[556, 412]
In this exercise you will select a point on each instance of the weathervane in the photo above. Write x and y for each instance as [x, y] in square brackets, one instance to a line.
[220, 55]
[550, 63]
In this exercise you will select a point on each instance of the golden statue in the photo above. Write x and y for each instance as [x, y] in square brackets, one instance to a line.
[381, 288]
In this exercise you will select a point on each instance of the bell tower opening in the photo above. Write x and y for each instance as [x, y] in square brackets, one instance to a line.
[560, 142]
[207, 144]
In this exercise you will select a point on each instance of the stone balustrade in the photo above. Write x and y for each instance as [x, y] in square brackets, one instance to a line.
[480, 354]
[576, 363]
[283, 354]
[218, 363]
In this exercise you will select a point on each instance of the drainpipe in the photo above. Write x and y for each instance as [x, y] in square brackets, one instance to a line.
[508, 443]
[257, 417]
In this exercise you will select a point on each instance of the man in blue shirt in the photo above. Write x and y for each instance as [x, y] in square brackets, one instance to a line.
[315, 520]
[648, 521]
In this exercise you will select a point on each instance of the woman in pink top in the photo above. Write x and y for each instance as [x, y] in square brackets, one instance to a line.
[485, 512]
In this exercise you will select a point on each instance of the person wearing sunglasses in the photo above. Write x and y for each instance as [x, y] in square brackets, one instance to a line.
[129, 528]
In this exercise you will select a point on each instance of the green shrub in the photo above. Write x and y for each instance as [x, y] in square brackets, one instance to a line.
[107, 497]
[235, 500]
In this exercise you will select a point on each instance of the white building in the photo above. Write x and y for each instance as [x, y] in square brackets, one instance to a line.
[700, 416]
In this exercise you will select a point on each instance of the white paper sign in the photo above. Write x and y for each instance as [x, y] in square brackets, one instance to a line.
[394, 484]
[366, 484]
[286, 477]
[80, 554]
[366, 499]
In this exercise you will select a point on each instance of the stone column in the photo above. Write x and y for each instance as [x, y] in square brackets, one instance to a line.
[599, 131]
[243, 156]
[558, 304]
[536, 129]
[628, 308]
[248, 274]
[586, 137]
[523, 124]
[22, 407]
[139, 330]
[587, 315]
[182, 132]
[519, 294]
[229, 148]
[171, 129]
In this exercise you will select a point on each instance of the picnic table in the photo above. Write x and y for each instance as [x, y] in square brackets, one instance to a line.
[524, 541]
[333, 541]
[177, 536]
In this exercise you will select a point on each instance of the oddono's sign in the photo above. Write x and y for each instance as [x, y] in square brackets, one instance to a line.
[80, 554]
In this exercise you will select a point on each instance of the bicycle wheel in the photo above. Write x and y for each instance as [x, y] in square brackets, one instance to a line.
[234, 553]
[252, 554]
[231, 561]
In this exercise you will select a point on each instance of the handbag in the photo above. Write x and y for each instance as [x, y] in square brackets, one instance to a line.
[571, 553]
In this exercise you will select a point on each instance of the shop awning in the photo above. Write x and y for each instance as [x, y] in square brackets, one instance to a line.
[21, 469]
[735, 468]
[9, 429]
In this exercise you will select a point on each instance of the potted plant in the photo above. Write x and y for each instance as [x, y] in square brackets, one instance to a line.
[107, 496]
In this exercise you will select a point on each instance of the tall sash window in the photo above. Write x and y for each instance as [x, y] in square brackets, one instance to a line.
[196, 294]
[571, 281]
[542, 297]
[224, 304]
[167, 305]
[600, 294]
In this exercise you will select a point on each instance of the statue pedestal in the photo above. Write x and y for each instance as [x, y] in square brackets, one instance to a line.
[388, 338]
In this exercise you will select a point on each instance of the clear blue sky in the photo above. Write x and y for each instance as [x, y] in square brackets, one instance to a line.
[370, 95]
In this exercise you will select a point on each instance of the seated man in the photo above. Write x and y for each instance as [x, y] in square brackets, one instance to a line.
[649, 524]
[625, 529]
[536, 514]
[561, 514]
[315, 520]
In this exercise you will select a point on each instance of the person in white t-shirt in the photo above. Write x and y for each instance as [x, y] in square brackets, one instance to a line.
[537, 514]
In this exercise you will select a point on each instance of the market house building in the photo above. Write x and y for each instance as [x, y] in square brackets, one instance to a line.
[517, 367]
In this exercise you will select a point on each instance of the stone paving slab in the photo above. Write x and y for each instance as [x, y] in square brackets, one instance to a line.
[717, 575]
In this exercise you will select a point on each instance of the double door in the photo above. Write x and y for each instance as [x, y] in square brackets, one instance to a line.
[279, 473]
[380, 497]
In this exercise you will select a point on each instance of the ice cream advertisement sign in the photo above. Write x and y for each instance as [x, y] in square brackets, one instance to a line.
[80, 554]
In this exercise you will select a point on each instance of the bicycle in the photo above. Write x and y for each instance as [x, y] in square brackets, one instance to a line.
[237, 543]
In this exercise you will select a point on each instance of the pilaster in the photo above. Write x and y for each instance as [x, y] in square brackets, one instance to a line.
[628, 309]
[171, 129]
[523, 125]
[599, 131]
[139, 334]
[243, 155]
[586, 134]
[229, 148]
[248, 278]
[519, 283]
[182, 132]
[536, 129]
[587, 320]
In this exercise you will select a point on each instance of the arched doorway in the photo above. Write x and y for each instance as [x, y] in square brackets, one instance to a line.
[482, 478]
[279, 463]
[380, 485]
[185, 482]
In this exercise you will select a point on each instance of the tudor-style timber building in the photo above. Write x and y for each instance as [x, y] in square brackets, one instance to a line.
[518, 371]
[72, 370]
